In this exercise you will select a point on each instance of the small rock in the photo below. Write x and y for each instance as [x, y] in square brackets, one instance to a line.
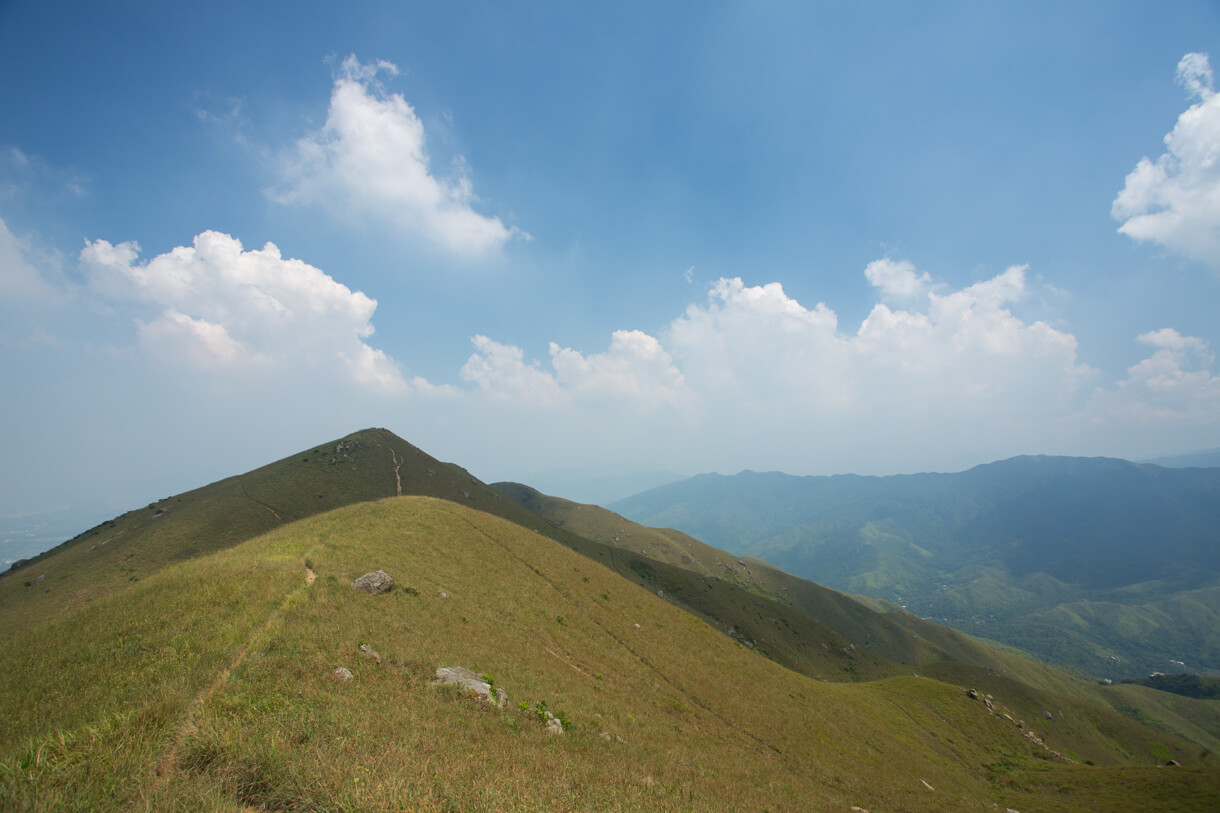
[1047, 715]
[605, 735]
[374, 583]
[442, 594]
[553, 725]
[647, 781]
[856, 809]
[344, 673]
[1173, 763]
[972, 694]
[39, 579]
[369, 652]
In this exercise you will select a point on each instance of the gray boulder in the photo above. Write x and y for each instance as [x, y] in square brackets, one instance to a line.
[374, 583]
[466, 680]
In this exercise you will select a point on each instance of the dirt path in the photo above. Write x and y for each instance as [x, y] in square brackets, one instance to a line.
[168, 764]
[397, 464]
[242, 486]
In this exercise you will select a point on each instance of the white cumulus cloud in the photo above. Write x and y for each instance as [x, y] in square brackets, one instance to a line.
[958, 353]
[224, 307]
[371, 159]
[635, 372]
[1173, 389]
[950, 375]
[897, 280]
[635, 369]
[500, 370]
[1175, 200]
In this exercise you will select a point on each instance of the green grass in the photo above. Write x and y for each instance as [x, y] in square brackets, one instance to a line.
[219, 672]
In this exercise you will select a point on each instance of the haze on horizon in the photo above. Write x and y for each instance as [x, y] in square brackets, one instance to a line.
[601, 241]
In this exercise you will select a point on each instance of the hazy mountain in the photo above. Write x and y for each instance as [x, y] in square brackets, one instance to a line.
[1099, 563]
[1207, 459]
[594, 487]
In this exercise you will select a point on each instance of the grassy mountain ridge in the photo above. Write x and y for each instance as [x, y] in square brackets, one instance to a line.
[359, 467]
[211, 684]
[991, 550]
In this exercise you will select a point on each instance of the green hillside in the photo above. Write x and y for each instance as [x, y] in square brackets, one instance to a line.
[791, 610]
[211, 684]
[1103, 565]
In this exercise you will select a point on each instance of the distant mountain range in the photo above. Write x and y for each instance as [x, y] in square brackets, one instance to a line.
[1102, 564]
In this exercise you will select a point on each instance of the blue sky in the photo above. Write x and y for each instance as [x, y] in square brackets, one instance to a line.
[563, 240]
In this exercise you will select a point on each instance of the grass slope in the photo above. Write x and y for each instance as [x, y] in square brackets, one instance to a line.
[209, 684]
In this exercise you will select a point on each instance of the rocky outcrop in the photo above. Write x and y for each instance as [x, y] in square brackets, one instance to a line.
[989, 702]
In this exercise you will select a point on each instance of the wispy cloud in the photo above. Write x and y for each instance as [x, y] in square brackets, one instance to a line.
[371, 159]
[24, 273]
